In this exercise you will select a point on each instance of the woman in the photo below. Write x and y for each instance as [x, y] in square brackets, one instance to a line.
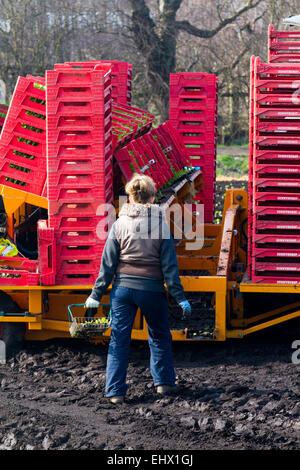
[140, 253]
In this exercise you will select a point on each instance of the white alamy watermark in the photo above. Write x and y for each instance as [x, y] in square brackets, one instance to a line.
[296, 354]
[2, 352]
[155, 222]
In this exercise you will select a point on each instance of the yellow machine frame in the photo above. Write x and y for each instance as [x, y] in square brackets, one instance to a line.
[45, 307]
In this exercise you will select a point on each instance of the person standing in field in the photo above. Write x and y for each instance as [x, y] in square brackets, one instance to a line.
[139, 255]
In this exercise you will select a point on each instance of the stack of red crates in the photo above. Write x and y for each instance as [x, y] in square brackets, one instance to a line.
[129, 123]
[121, 78]
[23, 138]
[274, 173]
[283, 46]
[80, 179]
[193, 112]
[159, 154]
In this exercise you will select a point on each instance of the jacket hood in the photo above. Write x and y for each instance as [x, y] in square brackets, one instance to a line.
[143, 218]
[141, 210]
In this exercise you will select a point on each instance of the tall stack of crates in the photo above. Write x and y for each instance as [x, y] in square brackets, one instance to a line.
[283, 46]
[274, 173]
[23, 138]
[80, 179]
[193, 112]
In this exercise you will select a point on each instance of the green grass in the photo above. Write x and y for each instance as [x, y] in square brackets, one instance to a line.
[232, 165]
[222, 146]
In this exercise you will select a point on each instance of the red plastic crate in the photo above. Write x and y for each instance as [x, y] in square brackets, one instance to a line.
[78, 266]
[194, 126]
[62, 76]
[84, 222]
[73, 278]
[284, 58]
[22, 115]
[76, 237]
[32, 180]
[77, 94]
[283, 99]
[286, 128]
[117, 67]
[276, 69]
[281, 186]
[47, 253]
[276, 241]
[76, 164]
[276, 156]
[276, 273]
[276, 226]
[271, 254]
[275, 213]
[121, 77]
[170, 148]
[276, 199]
[69, 208]
[191, 104]
[59, 151]
[79, 122]
[18, 262]
[154, 157]
[270, 141]
[278, 114]
[79, 252]
[69, 108]
[18, 143]
[12, 156]
[277, 171]
[191, 90]
[79, 180]
[84, 137]
[181, 115]
[193, 78]
[276, 86]
[277, 35]
[18, 277]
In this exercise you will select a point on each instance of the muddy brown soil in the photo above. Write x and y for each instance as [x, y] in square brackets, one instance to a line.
[240, 395]
[236, 395]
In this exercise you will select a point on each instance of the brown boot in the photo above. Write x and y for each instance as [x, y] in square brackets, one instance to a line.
[165, 389]
[117, 400]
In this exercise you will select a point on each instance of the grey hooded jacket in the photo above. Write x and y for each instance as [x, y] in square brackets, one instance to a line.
[139, 253]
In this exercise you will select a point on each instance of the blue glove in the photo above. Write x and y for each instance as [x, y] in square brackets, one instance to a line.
[186, 307]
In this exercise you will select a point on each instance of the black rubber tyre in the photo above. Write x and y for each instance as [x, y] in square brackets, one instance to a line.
[11, 333]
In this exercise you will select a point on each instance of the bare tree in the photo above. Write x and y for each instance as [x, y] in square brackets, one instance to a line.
[156, 34]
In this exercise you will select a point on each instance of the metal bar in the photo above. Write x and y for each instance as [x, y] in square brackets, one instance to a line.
[271, 313]
[253, 329]
[226, 244]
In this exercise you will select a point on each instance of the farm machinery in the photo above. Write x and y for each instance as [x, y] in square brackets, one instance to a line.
[69, 143]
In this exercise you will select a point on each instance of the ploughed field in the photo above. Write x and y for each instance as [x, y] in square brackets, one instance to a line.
[242, 394]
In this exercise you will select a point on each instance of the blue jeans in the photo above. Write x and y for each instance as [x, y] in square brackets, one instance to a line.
[154, 306]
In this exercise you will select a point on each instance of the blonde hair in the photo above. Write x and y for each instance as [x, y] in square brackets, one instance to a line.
[141, 188]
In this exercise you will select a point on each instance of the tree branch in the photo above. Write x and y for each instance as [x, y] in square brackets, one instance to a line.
[209, 33]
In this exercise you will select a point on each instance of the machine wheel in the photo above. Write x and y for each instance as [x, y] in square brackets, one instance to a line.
[11, 333]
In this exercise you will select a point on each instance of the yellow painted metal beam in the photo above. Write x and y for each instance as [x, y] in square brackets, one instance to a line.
[270, 288]
[263, 316]
[14, 198]
[261, 326]
[19, 319]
